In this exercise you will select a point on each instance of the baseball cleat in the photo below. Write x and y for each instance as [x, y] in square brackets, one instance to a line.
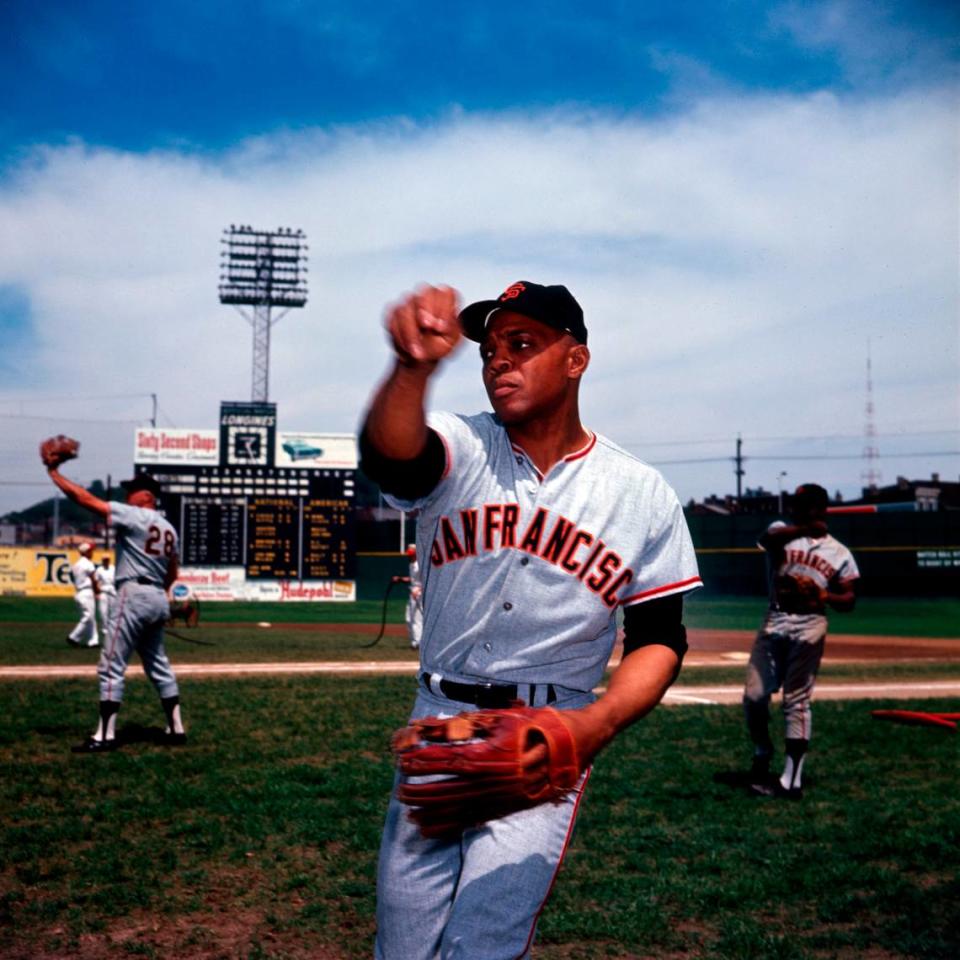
[173, 739]
[92, 745]
[72, 643]
[94, 643]
[776, 790]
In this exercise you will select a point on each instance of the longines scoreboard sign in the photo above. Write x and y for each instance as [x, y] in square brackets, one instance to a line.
[278, 505]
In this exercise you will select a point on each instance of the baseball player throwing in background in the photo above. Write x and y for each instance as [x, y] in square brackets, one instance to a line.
[807, 571]
[533, 532]
[86, 593]
[147, 565]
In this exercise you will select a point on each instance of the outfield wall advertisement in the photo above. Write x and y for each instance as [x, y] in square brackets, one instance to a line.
[45, 572]
[39, 571]
[187, 447]
[231, 583]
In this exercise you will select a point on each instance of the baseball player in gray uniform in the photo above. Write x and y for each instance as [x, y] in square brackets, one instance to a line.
[86, 594]
[105, 578]
[807, 571]
[413, 614]
[147, 565]
[533, 532]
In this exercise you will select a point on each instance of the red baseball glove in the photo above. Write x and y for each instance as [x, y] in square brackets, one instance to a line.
[483, 766]
[58, 449]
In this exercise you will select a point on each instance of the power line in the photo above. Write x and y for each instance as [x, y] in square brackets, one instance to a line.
[46, 397]
[62, 419]
[166, 416]
[786, 438]
[859, 456]
[811, 456]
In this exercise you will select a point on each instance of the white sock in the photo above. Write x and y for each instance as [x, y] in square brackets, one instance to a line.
[111, 730]
[175, 724]
[792, 772]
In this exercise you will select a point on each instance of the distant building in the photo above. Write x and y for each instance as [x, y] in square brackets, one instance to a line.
[754, 502]
[932, 494]
[929, 495]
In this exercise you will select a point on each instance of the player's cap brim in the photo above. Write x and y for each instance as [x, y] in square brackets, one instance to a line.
[474, 319]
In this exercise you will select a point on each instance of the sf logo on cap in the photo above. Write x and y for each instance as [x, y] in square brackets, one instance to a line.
[513, 291]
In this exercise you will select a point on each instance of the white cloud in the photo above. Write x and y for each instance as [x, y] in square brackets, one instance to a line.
[876, 43]
[733, 262]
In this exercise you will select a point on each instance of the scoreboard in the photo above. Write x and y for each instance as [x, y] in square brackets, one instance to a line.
[275, 508]
[278, 524]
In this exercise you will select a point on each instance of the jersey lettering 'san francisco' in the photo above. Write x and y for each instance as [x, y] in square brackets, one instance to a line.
[523, 573]
[557, 540]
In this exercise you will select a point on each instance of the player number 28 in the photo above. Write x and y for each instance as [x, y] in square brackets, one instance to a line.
[152, 546]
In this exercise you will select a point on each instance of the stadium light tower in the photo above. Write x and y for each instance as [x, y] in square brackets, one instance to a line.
[263, 269]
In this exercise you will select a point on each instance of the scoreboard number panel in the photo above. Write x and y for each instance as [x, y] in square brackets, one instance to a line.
[273, 538]
[277, 523]
[212, 532]
[327, 540]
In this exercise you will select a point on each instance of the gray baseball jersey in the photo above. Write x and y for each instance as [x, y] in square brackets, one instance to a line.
[825, 560]
[523, 573]
[146, 543]
[789, 646]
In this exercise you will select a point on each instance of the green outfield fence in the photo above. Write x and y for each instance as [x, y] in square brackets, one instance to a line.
[899, 554]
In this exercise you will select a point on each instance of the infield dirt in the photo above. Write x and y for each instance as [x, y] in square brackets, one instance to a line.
[708, 647]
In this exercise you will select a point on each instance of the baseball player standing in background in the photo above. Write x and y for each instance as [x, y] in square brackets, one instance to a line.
[105, 578]
[807, 570]
[534, 532]
[147, 565]
[414, 612]
[86, 591]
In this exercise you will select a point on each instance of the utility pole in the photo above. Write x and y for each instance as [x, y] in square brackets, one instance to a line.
[780, 477]
[106, 526]
[870, 475]
[740, 472]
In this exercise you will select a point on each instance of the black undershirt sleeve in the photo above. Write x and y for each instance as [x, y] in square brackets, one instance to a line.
[406, 479]
[656, 621]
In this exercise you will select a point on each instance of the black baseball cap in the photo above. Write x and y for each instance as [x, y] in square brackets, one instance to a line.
[555, 306]
[810, 495]
[142, 481]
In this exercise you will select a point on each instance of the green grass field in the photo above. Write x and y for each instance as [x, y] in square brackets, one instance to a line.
[877, 616]
[33, 631]
[259, 839]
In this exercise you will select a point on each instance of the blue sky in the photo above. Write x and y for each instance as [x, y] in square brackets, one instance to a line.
[731, 188]
[206, 74]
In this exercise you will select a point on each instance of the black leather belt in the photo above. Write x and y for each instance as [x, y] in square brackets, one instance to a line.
[143, 581]
[490, 696]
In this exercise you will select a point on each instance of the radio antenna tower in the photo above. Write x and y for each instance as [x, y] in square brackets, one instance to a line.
[263, 269]
[870, 475]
